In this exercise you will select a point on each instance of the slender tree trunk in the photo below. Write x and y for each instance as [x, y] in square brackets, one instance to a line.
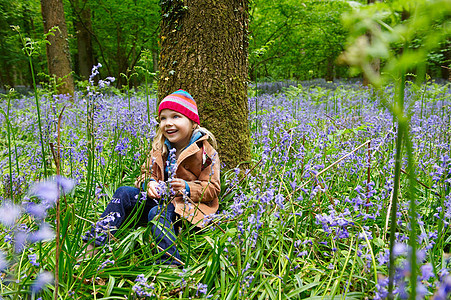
[446, 68]
[6, 75]
[204, 51]
[375, 64]
[330, 70]
[83, 28]
[121, 59]
[58, 54]
[155, 61]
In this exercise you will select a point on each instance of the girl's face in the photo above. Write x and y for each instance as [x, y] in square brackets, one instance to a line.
[176, 128]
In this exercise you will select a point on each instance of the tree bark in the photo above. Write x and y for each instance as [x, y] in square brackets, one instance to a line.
[446, 69]
[83, 29]
[58, 54]
[155, 61]
[6, 77]
[204, 51]
[330, 69]
[376, 63]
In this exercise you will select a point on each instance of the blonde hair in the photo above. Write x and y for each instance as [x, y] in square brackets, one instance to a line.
[158, 140]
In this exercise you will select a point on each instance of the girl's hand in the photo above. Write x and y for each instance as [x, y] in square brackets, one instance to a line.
[177, 184]
[152, 189]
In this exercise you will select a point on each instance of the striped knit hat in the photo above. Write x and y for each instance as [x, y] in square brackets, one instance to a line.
[182, 102]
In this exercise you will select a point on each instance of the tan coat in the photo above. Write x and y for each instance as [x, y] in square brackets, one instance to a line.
[199, 166]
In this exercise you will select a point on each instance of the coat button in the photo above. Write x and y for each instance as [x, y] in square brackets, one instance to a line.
[186, 167]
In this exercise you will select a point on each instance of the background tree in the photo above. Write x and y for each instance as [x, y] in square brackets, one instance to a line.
[296, 40]
[288, 39]
[204, 51]
[376, 62]
[13, 61]
[83, 31]
[58, 53]
[121, 30]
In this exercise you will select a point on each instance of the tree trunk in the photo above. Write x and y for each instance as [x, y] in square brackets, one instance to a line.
[6, 77]
[83, 29]
[375, 64]
[58, 54]
[204, 51]
[446, 69]
[330, 69]
[155, 61]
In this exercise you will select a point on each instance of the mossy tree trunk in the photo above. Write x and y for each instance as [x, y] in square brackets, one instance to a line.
[58, 54]
[204, 51]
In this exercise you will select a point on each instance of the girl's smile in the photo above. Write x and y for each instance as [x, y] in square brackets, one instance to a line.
[176, 128]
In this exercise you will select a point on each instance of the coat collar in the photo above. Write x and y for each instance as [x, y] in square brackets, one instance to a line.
[188, 151]
[191, 149]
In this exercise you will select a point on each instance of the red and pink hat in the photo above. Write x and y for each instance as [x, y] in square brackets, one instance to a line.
[182, 102]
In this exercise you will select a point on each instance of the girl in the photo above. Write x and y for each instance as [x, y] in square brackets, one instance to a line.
[181, 159]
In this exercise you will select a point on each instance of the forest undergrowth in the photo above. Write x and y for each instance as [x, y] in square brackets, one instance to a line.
[309, 219]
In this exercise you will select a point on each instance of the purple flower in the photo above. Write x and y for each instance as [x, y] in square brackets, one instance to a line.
[421, 290]
[384, 258]
[44, 233]
[49, 191]
[105, 263]
[171, 164]
[7, 239]
[444, 289]
[94, 73]
[20, 239]
[3, 262]
[32, 258]
[9, 213]
[41, 281]
[201, 289]
[37, 210]
[279, 201]
[399, 249]
[381, 288]
[65, 183]
[142, 288]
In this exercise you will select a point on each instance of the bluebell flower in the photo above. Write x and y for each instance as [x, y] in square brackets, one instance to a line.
[201, 289]
[427, 272]
[20, 239]
[279, 201]
[41, 281]
[142, 288]
[39, 211]
[444, 290]
[8, 239]
[94, 73]
[33, 259]
[9, 213]
[213, 162]
[384, 258]
[44, 233]
[49, 191]
[66, 184]
[3, 262]
[105, 263]
[399, 249]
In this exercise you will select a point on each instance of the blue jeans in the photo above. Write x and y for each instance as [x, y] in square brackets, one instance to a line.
[162, 218]
[127, 205]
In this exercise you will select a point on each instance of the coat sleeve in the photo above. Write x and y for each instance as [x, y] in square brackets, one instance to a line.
[207, 187]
